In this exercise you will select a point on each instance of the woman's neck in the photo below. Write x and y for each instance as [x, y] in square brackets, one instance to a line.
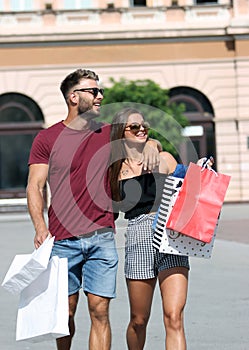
[132, 165]
[133, 152]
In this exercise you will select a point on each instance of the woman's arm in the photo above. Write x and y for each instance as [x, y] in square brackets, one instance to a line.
[167, 163]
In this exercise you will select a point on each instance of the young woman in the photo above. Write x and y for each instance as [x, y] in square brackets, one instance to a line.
[137, 193]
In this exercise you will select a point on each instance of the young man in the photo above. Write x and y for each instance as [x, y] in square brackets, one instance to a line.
[73, 156]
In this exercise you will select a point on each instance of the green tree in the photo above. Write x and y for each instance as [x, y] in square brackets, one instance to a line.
[166, 120]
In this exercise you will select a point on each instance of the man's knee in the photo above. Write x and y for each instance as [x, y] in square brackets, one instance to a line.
[72, 303]
[98, 307]
[174, 320]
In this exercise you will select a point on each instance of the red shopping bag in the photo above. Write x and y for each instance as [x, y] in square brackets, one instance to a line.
[197, 207]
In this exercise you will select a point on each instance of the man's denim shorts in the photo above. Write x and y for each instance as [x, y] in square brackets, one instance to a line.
[92, 263]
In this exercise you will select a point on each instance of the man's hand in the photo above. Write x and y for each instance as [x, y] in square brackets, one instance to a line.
[40, 238]
[150, 157]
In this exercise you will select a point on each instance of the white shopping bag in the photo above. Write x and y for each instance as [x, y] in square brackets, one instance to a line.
[43, 306]
[176, 243]
[25, 268]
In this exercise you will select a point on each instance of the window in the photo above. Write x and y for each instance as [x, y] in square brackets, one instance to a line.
[137, 3]
[194, 100]
[20, 120]
[21, 5]
[77, 4]
[206, 2]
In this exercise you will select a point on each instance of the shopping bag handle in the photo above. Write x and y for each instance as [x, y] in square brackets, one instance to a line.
[208, 162]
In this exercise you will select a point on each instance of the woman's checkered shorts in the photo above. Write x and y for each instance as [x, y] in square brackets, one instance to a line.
[142, 261]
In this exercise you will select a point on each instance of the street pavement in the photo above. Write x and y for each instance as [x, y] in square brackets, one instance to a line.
[217, 310]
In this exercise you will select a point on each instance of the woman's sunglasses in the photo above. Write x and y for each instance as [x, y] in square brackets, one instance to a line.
[134, 128]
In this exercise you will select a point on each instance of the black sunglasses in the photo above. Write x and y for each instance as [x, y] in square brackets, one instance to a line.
[135, 127]
[93, 91]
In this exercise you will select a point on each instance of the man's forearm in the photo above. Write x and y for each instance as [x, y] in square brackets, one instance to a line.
[36, 209]
[158, 144]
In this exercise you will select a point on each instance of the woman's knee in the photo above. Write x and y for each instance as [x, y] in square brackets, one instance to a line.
[174, 320]
[139, 321]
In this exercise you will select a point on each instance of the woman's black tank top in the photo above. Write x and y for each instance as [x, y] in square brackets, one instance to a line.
[141, 194]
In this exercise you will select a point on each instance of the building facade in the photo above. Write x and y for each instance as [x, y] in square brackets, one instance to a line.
[197, 49]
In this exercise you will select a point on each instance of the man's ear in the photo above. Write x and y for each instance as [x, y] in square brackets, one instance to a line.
[73, 98]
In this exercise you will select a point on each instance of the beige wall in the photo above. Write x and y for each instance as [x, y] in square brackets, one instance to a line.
[117, 53]
[214, 61]
[215, 79]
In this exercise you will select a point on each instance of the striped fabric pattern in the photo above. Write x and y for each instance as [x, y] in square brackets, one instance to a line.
[169, 189]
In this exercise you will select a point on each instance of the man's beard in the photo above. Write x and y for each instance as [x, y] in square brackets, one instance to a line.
[88, 114]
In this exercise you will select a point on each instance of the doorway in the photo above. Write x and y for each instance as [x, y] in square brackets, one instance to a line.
[199, 136]
[20, 120]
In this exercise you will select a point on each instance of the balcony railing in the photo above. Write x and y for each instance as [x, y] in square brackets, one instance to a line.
[118, 20]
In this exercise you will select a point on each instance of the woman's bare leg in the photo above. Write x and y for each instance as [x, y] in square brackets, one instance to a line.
[174, 285]
[140, 297]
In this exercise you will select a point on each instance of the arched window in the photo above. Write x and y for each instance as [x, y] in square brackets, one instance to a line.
[197, 106]
[20, 120]
[200, 135]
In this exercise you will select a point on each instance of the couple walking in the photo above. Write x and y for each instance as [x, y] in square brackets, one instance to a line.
[74, 157]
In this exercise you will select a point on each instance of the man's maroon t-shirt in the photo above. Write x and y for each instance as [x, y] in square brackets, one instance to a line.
[78, 178]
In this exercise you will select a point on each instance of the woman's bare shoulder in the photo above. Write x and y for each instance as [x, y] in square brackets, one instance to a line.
[167, 163]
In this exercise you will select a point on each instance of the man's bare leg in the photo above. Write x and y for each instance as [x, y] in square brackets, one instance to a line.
[64, 343]
[100, 333]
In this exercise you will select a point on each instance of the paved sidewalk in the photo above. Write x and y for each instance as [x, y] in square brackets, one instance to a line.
[217, 312]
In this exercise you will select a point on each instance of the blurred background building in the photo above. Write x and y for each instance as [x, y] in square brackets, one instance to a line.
[198, 49]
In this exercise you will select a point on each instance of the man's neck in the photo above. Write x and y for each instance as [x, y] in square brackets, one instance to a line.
[77, 122]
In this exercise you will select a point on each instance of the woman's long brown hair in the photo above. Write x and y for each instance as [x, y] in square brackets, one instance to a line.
[117, 148]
